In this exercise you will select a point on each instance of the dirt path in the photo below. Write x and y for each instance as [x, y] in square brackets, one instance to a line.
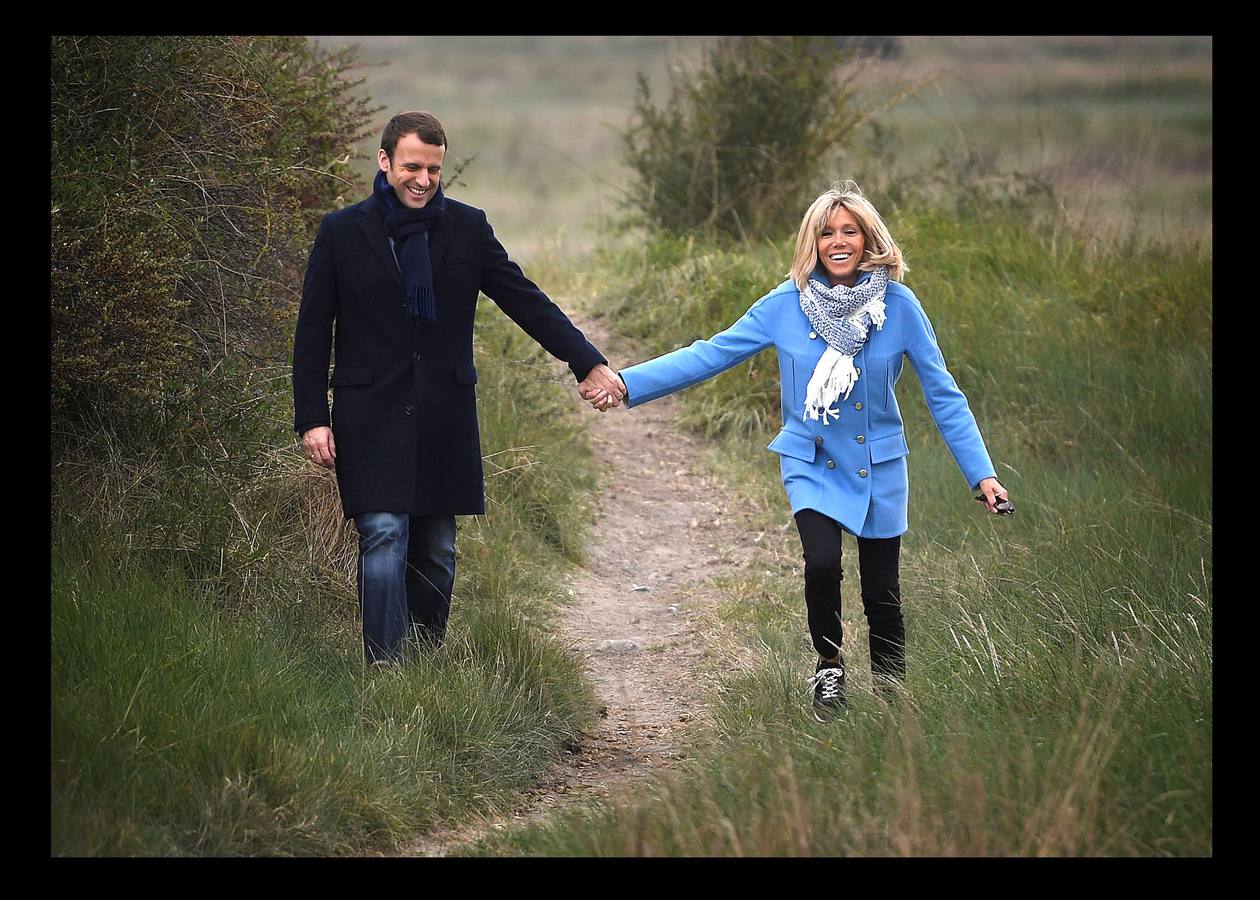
[663, 530]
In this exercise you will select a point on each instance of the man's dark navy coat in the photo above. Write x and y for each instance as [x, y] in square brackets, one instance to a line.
[404, 412]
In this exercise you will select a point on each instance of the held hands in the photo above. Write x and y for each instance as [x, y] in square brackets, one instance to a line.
[319, 447]
[602, 388]
[992, 493]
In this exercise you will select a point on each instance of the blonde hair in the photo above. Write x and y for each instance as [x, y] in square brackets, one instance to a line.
[881, 249]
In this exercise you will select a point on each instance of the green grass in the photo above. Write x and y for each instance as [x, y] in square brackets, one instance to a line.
[209, 696]
[1059, 694]
[177, 731]
[1084, 772]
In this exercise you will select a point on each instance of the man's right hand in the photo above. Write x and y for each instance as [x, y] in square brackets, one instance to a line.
[319, 446]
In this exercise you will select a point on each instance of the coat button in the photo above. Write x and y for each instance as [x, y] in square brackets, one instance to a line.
[813, 335]
[416, 357]
[818, 440]
[831, 464]
[857, 405]
[409, 409]
[861, 439]
[859, 370]
[862, 472]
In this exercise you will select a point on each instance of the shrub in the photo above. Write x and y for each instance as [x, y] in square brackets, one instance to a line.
[738, 147]
[188, 173]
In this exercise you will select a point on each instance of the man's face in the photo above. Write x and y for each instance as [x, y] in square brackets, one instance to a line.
[415, 171]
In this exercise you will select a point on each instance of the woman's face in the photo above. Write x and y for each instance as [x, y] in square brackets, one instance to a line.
[841, 247]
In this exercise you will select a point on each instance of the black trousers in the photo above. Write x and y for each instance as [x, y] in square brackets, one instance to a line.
[878, 566]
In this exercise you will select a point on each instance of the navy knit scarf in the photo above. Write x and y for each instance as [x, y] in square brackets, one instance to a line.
[406, 226]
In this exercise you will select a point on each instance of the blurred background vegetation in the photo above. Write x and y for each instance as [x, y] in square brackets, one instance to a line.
[208, 696]
[1120, 126]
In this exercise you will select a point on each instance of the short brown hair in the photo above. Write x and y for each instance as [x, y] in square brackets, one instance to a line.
[423, 125]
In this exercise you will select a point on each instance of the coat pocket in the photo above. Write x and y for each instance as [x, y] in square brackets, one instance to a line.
[797, 446]
[343, 376]
[879, 377]
[465, 374]
[888, 447]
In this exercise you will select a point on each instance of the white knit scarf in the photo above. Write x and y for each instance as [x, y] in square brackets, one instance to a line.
[843, 317]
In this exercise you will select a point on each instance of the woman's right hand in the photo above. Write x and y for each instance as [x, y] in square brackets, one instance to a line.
[602, 400]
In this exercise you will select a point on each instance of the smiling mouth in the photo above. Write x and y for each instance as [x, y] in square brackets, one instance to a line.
[840, 257]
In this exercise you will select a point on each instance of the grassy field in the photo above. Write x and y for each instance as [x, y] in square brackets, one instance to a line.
[1121, 126]
[1060, 688]
[209, 695]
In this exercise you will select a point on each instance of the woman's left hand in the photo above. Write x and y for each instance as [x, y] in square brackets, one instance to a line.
[993, 491]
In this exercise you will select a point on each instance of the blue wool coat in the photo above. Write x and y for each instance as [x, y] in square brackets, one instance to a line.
[854, 469]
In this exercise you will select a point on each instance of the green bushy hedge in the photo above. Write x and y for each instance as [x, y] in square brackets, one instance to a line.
[187, 175]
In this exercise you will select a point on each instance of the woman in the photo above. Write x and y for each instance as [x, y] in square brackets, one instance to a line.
[842, 324]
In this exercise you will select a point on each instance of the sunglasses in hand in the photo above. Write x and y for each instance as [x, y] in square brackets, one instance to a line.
[1002, 507]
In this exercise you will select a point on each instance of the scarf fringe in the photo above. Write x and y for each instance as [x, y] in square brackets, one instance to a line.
[834, 375]
[421, 305]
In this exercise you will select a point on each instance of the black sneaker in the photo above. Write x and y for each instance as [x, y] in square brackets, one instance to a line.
[828, 683]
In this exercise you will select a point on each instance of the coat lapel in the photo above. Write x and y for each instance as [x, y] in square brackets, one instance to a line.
[372, 224]
[439, 234]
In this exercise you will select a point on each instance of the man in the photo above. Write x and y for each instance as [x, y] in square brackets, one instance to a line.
[399, 274]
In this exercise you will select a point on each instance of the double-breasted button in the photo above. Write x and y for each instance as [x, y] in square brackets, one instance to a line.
[857, 405]
[818, 440]
[409, 409]
[831, 464]
[861, 439]
[812, 335]
[862, 472]
[416, 357]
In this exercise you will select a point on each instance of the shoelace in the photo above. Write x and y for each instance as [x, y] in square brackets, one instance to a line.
[830, 679]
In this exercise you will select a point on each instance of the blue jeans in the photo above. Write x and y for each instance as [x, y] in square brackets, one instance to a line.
[406, 575]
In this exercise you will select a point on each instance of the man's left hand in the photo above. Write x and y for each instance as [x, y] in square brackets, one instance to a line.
[602, 388]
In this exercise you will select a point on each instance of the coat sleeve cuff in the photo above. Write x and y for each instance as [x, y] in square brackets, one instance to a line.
[582, 367]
